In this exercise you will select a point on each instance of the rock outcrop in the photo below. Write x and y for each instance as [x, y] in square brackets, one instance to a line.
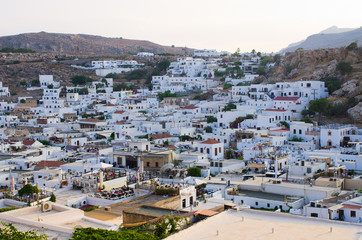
[356, 112]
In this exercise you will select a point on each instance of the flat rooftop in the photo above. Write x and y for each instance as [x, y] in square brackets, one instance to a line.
[259, 224]
[267, 196]
[265, 180]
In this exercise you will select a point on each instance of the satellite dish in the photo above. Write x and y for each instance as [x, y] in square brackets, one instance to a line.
[167, 167]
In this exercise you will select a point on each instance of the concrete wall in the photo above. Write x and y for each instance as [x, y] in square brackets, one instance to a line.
[115, 183]
[352, 184]
[172, 203]
[130, 217]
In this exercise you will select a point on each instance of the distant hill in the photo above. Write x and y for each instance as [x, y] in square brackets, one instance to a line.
[85, 44]
[332, 37]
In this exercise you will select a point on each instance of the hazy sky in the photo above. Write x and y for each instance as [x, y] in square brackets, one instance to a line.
[264, 25]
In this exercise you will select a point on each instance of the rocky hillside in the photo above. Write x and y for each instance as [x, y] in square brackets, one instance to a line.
[81, 44]
[330, 38]
[322, 63]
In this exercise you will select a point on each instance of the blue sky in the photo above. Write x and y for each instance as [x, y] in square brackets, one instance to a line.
[264, 25]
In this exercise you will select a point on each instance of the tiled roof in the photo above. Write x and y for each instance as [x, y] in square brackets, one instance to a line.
[28, 142]
[189, 107]
[161, 135]
[286, 99]
[275, 110]
[172, 147]
[210, 141]
[43, 164]
[91, 120]
[119, 112]
[206, 212]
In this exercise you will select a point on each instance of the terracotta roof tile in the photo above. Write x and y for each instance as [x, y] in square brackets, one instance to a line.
[210, 141]
[161, 135]
[286, 99]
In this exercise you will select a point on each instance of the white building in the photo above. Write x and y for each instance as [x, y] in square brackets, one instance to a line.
[213, 148]
[4, 91]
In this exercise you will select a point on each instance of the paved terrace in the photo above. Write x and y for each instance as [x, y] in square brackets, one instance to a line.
[253, 224]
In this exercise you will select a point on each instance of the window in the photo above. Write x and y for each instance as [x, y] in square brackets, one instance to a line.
[215, 151]
[268, 205]
[201, 150]
[148, 164]
[156, 164]
[329, 133]
[208, 151]
[353, 214]
[242, 202]
[300, 131]
[256, 203]
[314, 214]
[219, 149]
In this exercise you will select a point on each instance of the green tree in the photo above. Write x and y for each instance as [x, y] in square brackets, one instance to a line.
[194, 172]
[23, 83]
[167, 93]
[229, 107]
[229, 154]
[277, 58]
[332, 83]
[261, 71]
[321, 106]
[227, 86]
[102, 234]
[344, 67]
[352, 46]
[9, 232]
[285, 124]
[163, 64]
[208, 129]
[28, 190]
[53, 198]
[137, 74]
[211, 119]
[35, 82]
[113, 75]
[80, 80]
[22, 101]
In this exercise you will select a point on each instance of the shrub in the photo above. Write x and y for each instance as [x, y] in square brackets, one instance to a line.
[9, 232]
[23, 83]
[166, 191]
[208, 129]
[194, 172]
[344, 67]
[285, 124]
[53, 198]
[307, 120]
[227, 86]
[91, 233]
[229, 107]
[352, 46]
[90, 209]
[136, 74]
[296, 139]
[80, 80]
[332, 83]
[211, 119]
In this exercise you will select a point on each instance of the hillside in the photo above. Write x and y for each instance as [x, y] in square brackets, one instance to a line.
[81, 44]
[330, 38]
[320, 64]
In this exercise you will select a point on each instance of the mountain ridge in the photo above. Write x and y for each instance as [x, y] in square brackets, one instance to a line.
[85, 44]
[332, 37]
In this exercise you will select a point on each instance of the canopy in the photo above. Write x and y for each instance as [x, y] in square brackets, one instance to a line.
[102, 165]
